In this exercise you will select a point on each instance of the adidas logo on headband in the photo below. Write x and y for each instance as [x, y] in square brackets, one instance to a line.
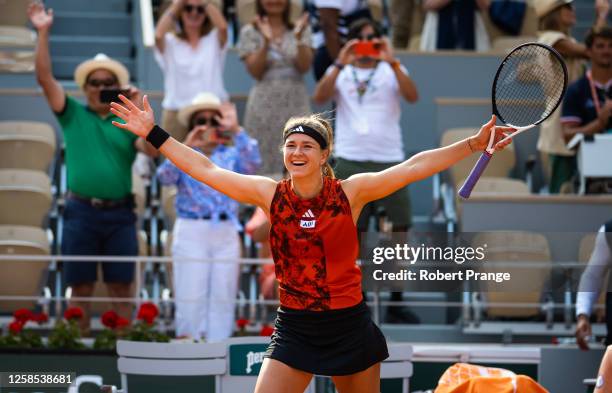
[311, 132]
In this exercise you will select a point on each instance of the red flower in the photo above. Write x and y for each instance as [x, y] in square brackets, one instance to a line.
[147, 312]
[23, 315]
[73, 313]
[40, 318]
[109, 319]
[266, 330]
[242, 322]
[122, 322]
[15, 327]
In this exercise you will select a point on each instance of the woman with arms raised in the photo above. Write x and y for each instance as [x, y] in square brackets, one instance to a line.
[323, 325]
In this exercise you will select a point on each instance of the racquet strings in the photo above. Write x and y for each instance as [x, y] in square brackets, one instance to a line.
[529, 86]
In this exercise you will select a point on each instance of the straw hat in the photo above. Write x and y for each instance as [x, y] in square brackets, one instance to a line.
[201, 102]
[544, 7]
[101, 61]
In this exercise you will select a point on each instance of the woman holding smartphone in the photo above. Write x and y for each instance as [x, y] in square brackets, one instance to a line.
[207, 222]
[323, 325]
[367, 84]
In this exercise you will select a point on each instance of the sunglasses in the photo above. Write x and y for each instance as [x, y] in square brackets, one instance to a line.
[190, 8]
[369, 37]
[202, 121]
[102, 82]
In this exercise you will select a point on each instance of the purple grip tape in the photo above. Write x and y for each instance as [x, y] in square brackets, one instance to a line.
[470, 182]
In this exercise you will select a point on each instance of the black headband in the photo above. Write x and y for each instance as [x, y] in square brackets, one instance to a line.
[311, 132]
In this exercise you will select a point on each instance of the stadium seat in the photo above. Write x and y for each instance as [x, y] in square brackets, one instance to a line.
[514, 247]
[13, 22]
[22, 278]
[245, 9]
[505, 44]
[169, 359]
[14, 12]
[25, 197]
[16, 61]
[587, 244]
[13, 37]
[26, 145]
[499, 166]
[500, 186]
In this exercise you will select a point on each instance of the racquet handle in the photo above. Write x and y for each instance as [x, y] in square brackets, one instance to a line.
[477, 171]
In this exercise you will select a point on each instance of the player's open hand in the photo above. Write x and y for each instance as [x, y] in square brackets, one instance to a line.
[139, 122]
[500, 135]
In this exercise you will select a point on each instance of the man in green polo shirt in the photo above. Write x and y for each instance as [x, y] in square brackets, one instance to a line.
[99, 217]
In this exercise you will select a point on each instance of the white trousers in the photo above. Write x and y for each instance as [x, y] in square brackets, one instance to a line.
[205, 292]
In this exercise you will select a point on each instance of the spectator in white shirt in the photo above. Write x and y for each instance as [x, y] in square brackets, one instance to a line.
[192, 58]
[368, 90]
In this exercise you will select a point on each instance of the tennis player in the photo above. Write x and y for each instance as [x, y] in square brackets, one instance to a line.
[323, 325]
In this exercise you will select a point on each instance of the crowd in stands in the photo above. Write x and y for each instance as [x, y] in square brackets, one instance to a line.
[357, 70]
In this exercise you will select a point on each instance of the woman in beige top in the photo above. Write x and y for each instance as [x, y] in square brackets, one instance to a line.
[276, 54]
[556, 18]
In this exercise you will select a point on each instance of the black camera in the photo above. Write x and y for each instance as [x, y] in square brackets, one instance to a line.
[112, 95]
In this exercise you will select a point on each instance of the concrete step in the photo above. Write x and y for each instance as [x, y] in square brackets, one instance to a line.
[121, 6]
[89, 46]
[92, 24]
[64, 66]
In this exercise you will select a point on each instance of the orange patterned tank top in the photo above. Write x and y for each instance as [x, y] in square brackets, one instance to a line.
[314, 247]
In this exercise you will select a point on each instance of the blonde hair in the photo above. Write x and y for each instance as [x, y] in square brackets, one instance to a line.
[318, 123]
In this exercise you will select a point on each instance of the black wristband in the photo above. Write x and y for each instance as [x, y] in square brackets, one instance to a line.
[157, 136]
[338, 65]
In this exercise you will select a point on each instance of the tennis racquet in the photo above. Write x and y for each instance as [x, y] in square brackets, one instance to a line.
[528, 86]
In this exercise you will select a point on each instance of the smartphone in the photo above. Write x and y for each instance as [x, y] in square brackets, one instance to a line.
[367, 49]
[112, 95]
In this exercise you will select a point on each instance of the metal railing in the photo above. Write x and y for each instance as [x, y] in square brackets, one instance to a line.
[251, 303]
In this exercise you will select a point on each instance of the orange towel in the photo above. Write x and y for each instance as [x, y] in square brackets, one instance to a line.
[470, 378]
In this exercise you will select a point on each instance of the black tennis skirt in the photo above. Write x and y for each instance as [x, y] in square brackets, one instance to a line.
[335, 342]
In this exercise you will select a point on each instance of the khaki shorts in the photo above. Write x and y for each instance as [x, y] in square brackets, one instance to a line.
[396, 205]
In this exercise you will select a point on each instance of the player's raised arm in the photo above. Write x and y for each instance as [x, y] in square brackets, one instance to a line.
[365, 187]
[255, 190]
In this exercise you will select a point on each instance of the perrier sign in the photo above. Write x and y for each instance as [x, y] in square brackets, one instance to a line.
[246, 359]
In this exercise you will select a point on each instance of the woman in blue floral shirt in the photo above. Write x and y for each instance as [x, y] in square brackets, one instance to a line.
[207, 224]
